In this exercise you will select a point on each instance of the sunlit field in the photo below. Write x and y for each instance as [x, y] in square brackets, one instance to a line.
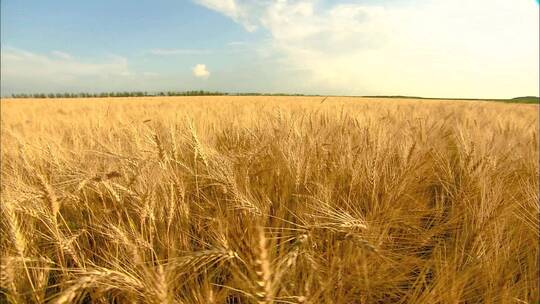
[268, 200]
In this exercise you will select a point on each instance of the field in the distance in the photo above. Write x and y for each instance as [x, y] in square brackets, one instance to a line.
[268, 200]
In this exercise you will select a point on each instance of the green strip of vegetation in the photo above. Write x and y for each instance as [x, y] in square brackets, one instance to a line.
[143, 94]
[524, 99]
[117, 94]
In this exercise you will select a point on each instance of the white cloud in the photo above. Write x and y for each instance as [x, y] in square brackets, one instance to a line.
[150, 74]
[171, 52]
[62, 55]
[61, 66]
[237, 43]
[238, 10]
[200, 71]
[481, 48]
[24, 71]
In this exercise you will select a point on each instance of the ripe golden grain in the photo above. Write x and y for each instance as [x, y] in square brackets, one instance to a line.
[364, 201]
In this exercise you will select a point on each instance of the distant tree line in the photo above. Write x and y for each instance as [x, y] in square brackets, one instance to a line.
[267, 94]
[524, 99]
[117, 94]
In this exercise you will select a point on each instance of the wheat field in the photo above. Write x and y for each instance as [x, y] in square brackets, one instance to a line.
[268, 200]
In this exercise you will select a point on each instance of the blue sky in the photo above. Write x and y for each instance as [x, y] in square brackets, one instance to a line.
[407, 47]
[90, 28]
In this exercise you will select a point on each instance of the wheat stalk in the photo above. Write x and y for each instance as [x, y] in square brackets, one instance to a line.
[264, 290]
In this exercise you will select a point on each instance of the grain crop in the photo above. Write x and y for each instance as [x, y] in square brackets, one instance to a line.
[229, 199]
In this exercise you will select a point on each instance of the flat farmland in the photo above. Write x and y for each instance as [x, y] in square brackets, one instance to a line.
[229, 199]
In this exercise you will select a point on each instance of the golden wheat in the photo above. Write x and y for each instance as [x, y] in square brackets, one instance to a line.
[268, 200]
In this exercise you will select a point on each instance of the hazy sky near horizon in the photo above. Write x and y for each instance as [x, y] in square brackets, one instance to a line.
[431, 48]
